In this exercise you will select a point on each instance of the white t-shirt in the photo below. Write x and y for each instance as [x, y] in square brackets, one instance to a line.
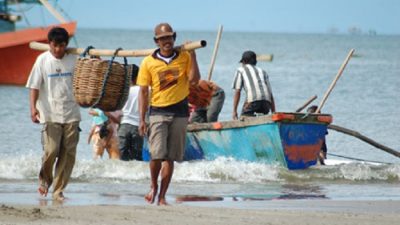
[53, 78]
[130, 110]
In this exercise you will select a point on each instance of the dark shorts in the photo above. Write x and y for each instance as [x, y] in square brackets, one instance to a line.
[130, 142]
[260, 107]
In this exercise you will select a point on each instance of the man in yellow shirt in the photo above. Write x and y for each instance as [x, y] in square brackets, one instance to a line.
[168, 73]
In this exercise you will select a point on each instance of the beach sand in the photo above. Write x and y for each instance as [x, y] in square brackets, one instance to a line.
[276, 212]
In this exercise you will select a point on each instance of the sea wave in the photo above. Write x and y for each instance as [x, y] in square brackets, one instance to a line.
[350, 171]
[226, 170]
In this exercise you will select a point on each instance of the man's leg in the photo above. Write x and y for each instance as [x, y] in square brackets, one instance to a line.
[247, 109]
[66, 160]
[199, 116]
[166, 175]
[155, 167]
[51, 138]
[176, 150]
[112, 148]
[137, 143]
[158, 133]
[123, 141]
[98, 146]
[215, 107]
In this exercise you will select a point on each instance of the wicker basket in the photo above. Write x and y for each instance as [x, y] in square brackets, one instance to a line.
[102, 84]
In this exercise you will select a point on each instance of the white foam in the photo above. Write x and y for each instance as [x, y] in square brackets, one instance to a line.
[26, 167]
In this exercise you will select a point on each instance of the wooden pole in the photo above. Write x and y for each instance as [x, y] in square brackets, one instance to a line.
[122, 53]
[265, 57]
[364, 138]
[306, 103]
[214, 55]
[334, 81]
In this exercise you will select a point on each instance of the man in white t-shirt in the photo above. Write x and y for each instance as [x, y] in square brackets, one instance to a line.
[130, 141]
[52, 104]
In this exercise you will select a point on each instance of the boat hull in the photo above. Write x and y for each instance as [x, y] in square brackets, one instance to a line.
[291, 141]
[17, 58]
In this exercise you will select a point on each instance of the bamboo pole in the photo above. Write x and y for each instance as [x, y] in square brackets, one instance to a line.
[214, 55]
[265, 57]
[306, 103]
[123, 53]
[334, 81]
[364, 138]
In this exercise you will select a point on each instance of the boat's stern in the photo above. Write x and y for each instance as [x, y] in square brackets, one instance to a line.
[302, 136]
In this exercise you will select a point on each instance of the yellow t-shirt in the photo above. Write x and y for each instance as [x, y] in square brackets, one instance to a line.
[169, 83]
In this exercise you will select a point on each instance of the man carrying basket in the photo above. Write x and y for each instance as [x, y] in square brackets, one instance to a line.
[52, 103]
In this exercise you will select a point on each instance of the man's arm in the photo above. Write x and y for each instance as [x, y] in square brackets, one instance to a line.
[93, 112]
[91, 132]
[143, 106]
[34, 95]
[236, 99]
[114, 116]
[194, 73]
[273, 109]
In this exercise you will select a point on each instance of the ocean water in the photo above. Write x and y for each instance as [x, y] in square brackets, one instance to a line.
[366, 99]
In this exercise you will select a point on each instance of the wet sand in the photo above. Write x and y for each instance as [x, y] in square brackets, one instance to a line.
[208, 212]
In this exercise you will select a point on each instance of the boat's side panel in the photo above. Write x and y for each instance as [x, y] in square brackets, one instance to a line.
[253, 143]
[302, 143]
[16, 64]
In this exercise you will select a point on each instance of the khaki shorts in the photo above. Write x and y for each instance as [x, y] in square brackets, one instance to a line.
[167, 137]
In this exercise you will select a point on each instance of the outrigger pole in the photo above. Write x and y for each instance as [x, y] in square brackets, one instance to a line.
[364, 138]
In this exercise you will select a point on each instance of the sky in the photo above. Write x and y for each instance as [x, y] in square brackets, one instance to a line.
[288, 16]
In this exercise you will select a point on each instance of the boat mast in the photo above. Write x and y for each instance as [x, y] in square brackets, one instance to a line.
[53, 11]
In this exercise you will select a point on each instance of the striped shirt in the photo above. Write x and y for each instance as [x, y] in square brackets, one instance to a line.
[255, 82]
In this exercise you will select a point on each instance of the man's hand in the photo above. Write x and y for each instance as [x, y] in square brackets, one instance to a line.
[35, 116]
[33, 97]
[234, 116]
[142, 129]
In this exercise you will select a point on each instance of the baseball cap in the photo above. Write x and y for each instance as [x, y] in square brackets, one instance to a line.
[163, 30]
[248, 56]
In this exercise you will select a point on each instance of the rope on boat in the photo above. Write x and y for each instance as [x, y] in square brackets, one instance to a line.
[357, 159]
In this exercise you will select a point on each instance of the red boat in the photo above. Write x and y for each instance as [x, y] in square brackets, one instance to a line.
[16, 58]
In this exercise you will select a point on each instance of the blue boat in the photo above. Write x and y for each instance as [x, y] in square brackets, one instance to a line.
[291, 140]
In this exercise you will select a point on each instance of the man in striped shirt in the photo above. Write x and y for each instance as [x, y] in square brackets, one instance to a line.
[254, 81]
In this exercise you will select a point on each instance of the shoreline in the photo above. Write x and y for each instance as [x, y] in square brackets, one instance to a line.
[276, 212]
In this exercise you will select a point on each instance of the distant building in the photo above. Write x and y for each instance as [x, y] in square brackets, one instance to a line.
[354, 30]
[372, 32]
[333, 30]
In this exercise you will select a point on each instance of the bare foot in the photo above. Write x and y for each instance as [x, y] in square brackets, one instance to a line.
[162, 201]
[43, 190]
[150, 197]
[59, 197]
